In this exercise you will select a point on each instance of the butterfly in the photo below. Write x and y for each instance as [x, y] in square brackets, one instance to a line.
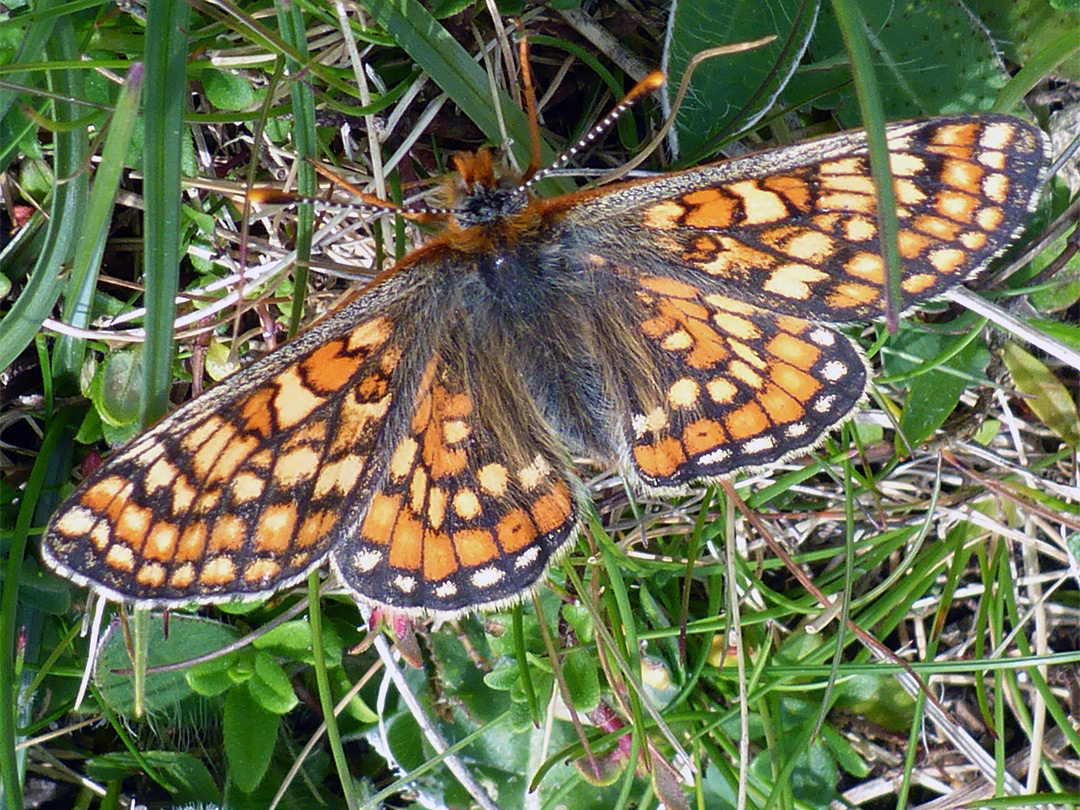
[681, 328]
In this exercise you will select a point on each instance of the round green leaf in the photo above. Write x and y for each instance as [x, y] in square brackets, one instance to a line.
[189, 637]
[582, 680]
[228, 91]
[115, 388]
[271, 686]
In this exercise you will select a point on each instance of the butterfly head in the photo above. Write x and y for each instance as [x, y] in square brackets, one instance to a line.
[479, 197]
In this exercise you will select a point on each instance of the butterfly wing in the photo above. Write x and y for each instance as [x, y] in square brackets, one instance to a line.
[718, 282]
[388, 434]
[795, 230]
[240, 492]
[478, 498]
[728, 386]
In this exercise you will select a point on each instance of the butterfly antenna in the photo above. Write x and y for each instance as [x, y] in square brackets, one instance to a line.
[368, 202]
[652, 82]
[530, 111]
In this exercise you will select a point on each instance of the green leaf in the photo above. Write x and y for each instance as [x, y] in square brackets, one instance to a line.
[90, 430]
[209, 678]
[846, 756]
[36, 179]
[188, 775]
[228, 91]
[502, 678]
[115, 388]
[293, 640]
[220, 362]
[582, 680]
[729, 93]
[580, 619]
[356, 708]
[1047, 397]
[250, 732]
[189, 637]
[933, 396]
[271, 687]
[243, 665]
[935, 57]
[1025, 28]
[1061, 290]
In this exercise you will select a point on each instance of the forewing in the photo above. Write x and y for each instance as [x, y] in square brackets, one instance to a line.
[241, 491]
[795, 230]
[477, 501]
[727, 386]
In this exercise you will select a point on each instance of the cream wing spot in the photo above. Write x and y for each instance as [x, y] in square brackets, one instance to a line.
[716, 456]
[488, 576]
[653, 422]
[294, 401]
[677, 341]
[444, 590]
[437, 498]
[759, 444]
[684, 393]
[997, 136]
[834, 370]
[533, 475]
[527, 557]
[721, 391]
[825, 404]
[467, 505]
[366, 560]
[401, 462]
[996, 187]
[494, 478]
[75, 522]
[455, 430]
[120, 557]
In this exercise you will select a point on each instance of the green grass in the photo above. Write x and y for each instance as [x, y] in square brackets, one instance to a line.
[671, 628]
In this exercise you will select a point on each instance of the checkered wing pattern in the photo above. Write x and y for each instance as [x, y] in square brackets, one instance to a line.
[239, 493]
[795, 230]
[735, 386]
[476, 501]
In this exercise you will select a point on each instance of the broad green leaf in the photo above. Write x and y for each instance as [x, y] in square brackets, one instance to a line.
[189, 637]
[293, 640]
[189, 776]
[115, 388]
[729, 93]
[250, 733]
[1024, 28]
[933, 396]
[208, 679]
[582, 680]
[935, 57]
